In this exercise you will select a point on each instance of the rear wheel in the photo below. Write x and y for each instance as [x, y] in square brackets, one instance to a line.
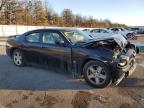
[97, 74]
[18, 58]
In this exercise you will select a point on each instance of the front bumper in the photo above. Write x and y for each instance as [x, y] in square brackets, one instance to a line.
[127, 70]
[120, 72]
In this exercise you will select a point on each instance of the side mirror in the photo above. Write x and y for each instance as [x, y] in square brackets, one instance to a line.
[60, 42]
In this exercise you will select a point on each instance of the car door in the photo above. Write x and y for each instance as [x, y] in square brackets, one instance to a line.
[32, 46]
[57, 57]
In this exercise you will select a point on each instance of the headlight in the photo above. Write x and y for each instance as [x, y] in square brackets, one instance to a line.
[122, 63]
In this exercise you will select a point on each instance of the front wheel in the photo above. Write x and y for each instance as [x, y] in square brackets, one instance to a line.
[129, 36]
[18, 58]
[97, 74]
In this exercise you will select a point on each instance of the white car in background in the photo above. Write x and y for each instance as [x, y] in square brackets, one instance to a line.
[103, 33]
[125, 32]
[100, 32]
[87, 31]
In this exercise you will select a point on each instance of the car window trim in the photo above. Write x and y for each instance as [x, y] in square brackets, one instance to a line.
[51, 31]
[40, 35]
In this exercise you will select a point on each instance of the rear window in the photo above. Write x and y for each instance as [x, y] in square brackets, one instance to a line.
[33, 37]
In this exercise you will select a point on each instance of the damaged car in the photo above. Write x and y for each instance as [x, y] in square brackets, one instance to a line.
[100, 61]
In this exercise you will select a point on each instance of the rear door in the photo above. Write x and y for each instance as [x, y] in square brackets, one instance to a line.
[57, 57]
[32, 46]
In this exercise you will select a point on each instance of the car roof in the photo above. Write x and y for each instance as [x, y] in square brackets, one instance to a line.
[99, 29]
[55, 29]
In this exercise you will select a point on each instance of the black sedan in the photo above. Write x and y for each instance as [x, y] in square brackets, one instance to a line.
[101, 61]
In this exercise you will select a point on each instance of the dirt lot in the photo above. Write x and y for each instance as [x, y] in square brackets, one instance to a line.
[32, 87]
[140, 39]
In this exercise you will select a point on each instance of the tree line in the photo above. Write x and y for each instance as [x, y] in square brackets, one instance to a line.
[37, 12]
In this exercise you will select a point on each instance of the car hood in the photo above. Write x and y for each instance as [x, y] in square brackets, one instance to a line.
[118, 38]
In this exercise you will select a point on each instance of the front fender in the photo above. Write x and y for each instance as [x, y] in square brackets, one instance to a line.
[87, 59]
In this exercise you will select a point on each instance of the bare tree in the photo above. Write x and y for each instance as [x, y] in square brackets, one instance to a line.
[40, 12]
[68, 17]
[2, 3]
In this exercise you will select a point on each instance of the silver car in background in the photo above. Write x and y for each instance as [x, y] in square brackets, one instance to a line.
[128, 34]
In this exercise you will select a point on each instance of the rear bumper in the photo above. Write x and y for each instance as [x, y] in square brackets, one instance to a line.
[8, 52]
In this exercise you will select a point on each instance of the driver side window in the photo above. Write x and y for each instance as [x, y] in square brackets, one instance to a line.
[51, 37]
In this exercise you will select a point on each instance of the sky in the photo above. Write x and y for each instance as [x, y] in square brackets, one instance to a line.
[129, 12]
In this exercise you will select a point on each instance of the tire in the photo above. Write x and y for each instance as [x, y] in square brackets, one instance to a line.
[18, 58]
[129, 36]
[101, 75]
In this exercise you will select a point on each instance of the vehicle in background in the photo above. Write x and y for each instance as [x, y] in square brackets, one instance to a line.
[101, 61]
[100, 32]
[87, 31]
[135, 29]
[126, 33]
[140, 31]
[140, 47]
[110, 31]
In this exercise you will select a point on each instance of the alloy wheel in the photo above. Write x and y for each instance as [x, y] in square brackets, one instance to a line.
[96, 75]
[17, 58]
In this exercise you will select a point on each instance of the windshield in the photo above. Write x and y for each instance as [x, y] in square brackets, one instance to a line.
[76, 36]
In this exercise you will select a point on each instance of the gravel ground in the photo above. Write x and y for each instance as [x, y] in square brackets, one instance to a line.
[139, 40]
[32, 87]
